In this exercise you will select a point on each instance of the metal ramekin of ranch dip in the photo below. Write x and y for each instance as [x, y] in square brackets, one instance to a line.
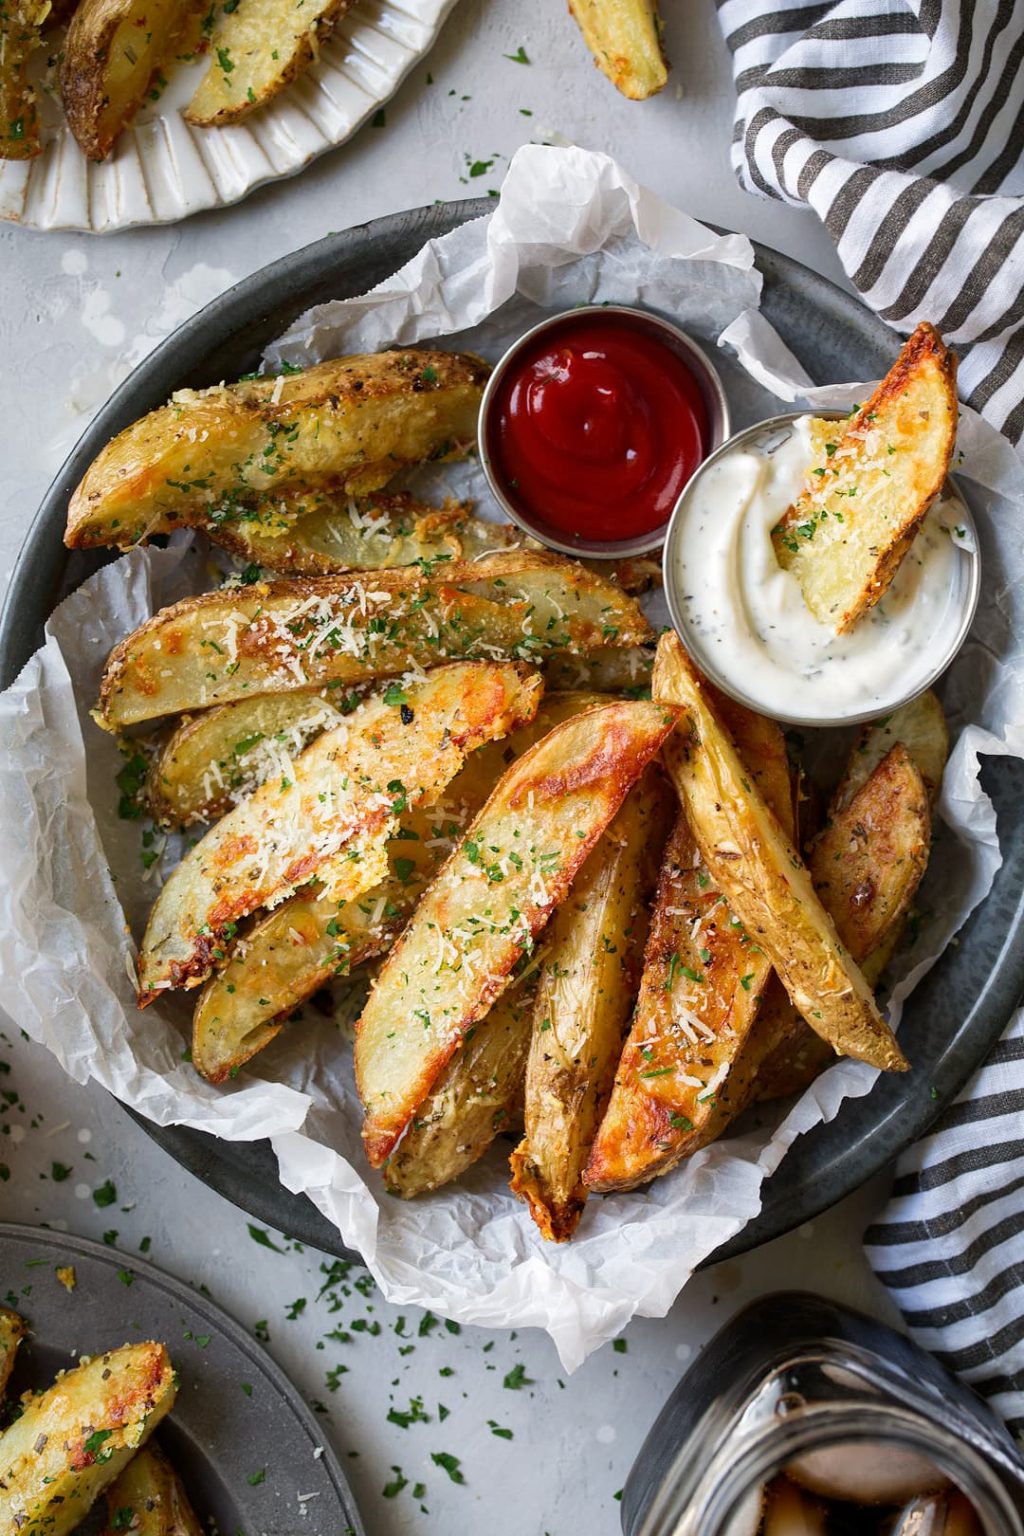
[743, 618]
[802, 1418]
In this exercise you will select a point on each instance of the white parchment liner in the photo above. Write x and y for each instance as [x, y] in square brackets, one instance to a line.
[571, 227]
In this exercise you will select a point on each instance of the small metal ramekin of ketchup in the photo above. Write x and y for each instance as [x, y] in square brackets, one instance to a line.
[591, 425]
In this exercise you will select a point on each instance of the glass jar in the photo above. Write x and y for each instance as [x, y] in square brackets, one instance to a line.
[799, 1401]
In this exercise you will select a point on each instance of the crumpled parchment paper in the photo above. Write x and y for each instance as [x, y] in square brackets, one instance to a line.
[571, 227]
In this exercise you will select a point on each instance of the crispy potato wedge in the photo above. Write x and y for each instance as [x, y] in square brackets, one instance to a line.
[920, 727]
[208, 455]
[482, 913]
[21, 24]
[763, 878]
[588, 983]
[703, 981]
[309, 940]
[216, 758]
[13, 1329]
[350, 785]
[112, 51]
[864, 500]
[326, 533]
[624, 37]
[626, 669]
[75, 1438]
[301, 946]
[869, 860]
[279, 636]
[147, 1499]
[866, 865]
[258, 49]
[475, 1098]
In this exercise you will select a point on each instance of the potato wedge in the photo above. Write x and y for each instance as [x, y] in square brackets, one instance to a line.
[624, 37]
[209, 455]
[866, 866]
[475, 1098]
[700, 995]
[920, 727]
[324, 534]
[482, 913]
[112, 50]
[279, 636]
[763, 878]
[75, 1438]
[350, 785]
[626, 669]
[327, 533]
[588, 983]
[309, 940]
[21, 24]
[13, 1329]
[147, 1499]
[846, 535]
[869, 860]
[257, 49]
[216, 758]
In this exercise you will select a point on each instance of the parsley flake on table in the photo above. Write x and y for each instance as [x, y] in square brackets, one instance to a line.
[519, 57]
[261, 1236]
[395, 1486]
[105, 1195]
[449, 1463]
[496, 1429]
[517, 1378]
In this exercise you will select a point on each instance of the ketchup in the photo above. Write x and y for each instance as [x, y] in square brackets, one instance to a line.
[596, 428]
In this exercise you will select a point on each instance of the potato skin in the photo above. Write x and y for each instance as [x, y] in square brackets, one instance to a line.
[210, 455]
[111, 52]
[73, 1439]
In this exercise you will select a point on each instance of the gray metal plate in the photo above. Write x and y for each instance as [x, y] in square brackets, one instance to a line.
[217, 1436]
[954, 1016]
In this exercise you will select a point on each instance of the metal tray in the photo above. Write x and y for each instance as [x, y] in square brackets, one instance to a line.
[954, 1016]
[218, 1438]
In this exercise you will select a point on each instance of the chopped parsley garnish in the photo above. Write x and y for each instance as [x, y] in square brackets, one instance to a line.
[517, 1378]
[449, 1463]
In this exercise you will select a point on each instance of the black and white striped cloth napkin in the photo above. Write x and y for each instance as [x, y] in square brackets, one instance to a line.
[901, 124]
[949, 1245]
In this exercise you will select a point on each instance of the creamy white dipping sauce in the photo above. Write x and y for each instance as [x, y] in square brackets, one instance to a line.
[744, 618]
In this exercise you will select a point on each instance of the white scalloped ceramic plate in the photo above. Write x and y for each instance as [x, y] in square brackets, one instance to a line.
[161, 169]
